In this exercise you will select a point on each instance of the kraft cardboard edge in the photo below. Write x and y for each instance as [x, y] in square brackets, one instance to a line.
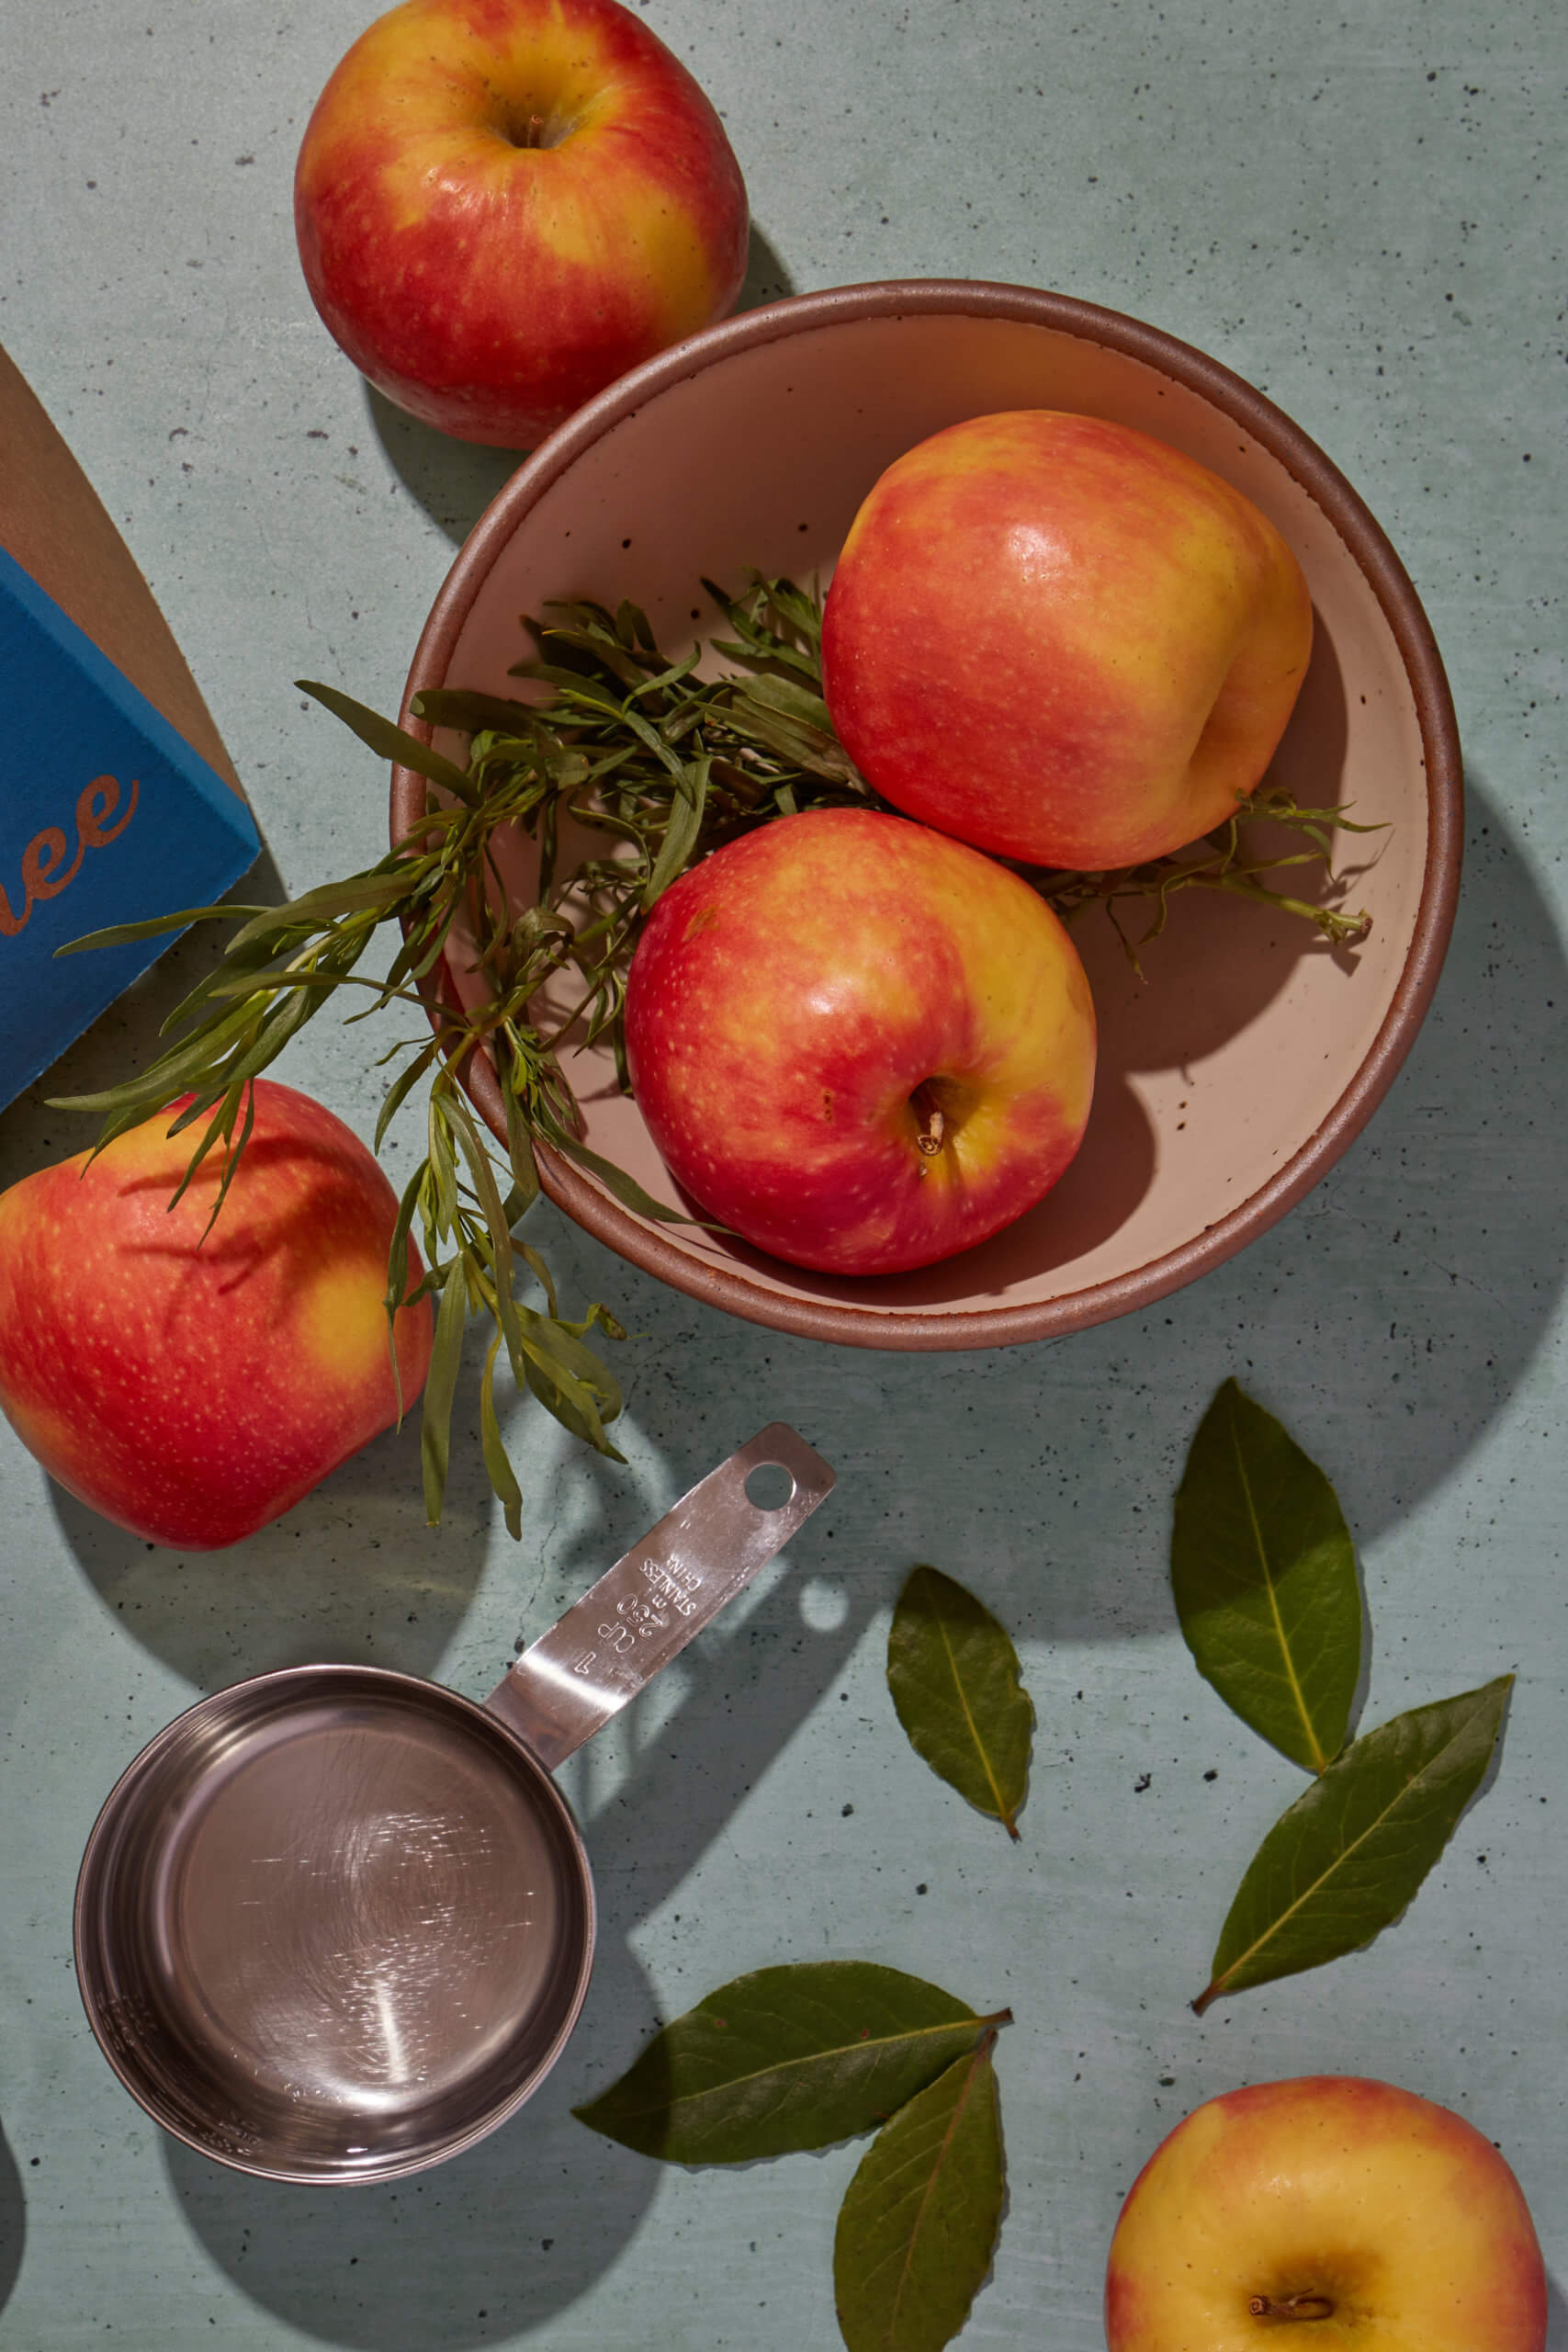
[54, 525]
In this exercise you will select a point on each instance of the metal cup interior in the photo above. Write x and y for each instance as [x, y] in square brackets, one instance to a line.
[334, 1925]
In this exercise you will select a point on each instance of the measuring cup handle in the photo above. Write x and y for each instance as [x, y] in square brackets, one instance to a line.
[573, 1678]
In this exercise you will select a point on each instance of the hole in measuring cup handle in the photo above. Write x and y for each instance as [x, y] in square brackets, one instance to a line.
[645, 1609]
[770, 1486]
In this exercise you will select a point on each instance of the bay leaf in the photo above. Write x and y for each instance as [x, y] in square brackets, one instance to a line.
[785, 2058]
[1264, 1575]
[1344, 1860]
[920, 2221]
[954, 1677]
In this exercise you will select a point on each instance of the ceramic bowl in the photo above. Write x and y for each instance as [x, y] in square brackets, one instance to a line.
[1235, 1073]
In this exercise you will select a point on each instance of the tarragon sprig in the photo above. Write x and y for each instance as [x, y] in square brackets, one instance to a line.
[613, 735]
[1221, 862]
[639, 748]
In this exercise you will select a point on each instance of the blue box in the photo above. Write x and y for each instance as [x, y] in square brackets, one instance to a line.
[106, 816]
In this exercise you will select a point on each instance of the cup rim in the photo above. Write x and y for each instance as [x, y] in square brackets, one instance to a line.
[292, 1683]
[647, 1246]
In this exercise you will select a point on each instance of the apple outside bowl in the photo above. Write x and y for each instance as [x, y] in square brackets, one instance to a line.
[1230, 1079]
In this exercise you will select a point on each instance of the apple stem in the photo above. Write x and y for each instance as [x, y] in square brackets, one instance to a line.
[1292, 2307]
[527, 130]
[933, 1126]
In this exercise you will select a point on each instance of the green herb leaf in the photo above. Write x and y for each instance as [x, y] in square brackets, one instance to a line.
[1342, 1864]
[121, 934]
[796, 702]
[681, 833]
[627, 1189]
[1264, 1574]
[498, 1469]
[440, 1387]
[389, 742]
[920, 2221]
[784, 2059]
[954, 1677]
[468, 711]
[569, 1380]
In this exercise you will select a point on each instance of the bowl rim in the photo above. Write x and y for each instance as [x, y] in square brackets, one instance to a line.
[730, 1287]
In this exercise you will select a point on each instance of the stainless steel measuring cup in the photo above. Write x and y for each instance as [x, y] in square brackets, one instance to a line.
[334, 1923]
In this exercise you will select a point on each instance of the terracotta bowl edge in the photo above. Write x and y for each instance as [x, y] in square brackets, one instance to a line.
[881, 1328]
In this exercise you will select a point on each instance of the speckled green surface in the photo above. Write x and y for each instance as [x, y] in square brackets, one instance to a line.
[1356, 212]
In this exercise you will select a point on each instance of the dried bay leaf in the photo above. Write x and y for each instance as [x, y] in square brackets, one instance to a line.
[919, 2221]
[1345, 1859]
[784, 2059]
[1264, 1575]
[954, 1677]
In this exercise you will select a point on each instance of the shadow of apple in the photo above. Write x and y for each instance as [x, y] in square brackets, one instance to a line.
[1556, 2317]
[768, 276]
[351, 1575]
[1219, 962]
[452, 480]
[1101, 1187]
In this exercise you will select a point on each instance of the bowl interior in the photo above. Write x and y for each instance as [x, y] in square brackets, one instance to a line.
[1238, 1068]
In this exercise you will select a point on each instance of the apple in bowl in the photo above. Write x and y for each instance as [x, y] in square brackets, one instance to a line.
[1062, 640]
[502, 205]
[1330, 2211]
[192, 1377]
[861, 1045]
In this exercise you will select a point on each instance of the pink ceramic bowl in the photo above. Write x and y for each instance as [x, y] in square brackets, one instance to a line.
[1234, 1076]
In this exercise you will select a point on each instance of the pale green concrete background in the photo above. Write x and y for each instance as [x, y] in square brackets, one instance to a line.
[1354, 208]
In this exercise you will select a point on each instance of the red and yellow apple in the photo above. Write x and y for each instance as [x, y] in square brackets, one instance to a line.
[502, 205]
[192, 1385]
[1063, 641]
[1331, 2212]
[859, 1045]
